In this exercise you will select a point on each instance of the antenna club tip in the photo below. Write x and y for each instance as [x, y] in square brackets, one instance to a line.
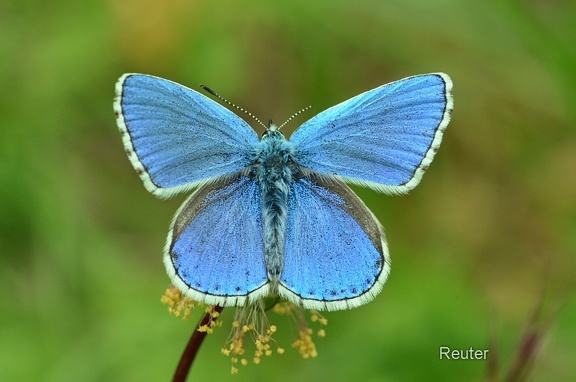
[209, 90]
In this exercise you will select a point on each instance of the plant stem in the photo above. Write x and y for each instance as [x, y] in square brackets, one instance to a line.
[192, 348]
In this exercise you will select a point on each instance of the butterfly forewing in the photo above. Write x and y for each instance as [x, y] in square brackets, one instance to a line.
[384, 138]
[176, 137]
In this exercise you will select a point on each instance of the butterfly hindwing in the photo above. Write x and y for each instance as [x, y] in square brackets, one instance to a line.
[384, 138]
[336, 253]
[175, 137]
[214, 251]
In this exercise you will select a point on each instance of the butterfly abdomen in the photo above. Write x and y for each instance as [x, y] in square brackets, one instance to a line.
[274, 177]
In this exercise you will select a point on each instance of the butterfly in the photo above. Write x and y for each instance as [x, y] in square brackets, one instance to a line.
[271, 216]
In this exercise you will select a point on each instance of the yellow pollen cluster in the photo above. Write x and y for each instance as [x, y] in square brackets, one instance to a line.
[317, 317]
[304, 344]
[251, 321]
[261, 338]
[213, 322]
[284, 308]
[178, 304]
[236, 346]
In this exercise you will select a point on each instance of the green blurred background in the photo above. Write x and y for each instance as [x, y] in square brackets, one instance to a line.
[488, 235]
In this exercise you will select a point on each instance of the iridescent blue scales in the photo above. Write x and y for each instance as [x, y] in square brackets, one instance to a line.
[273, 216]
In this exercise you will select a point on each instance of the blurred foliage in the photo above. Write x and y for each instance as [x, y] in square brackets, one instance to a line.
[488, 235]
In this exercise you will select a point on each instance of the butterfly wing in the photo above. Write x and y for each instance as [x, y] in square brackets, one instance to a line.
[383, 139]
[214, 251]
[175, 137]
[336, 253]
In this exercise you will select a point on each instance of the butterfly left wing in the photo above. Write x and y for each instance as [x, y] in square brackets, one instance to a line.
[336, 253]
[384, 138]
[214, 251]
[175, 137]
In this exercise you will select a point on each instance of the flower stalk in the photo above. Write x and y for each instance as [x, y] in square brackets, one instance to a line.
[198, 335]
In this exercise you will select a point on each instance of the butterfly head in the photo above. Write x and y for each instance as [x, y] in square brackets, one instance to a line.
[272, 130]
[272, 127]
[273, 136]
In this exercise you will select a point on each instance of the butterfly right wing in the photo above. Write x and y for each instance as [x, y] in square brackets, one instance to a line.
[214, 252]
[175, 137]
[383, 139]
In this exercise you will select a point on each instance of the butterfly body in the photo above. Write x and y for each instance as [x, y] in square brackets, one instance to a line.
[273, 216]
[273, 170]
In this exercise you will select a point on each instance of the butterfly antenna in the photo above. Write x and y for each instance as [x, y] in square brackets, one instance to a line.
[231, 104]
[294, 115]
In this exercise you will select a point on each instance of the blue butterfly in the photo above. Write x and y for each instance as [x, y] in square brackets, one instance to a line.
[272, 216]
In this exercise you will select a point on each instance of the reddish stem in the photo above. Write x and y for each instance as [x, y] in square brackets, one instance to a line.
[192, 347]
